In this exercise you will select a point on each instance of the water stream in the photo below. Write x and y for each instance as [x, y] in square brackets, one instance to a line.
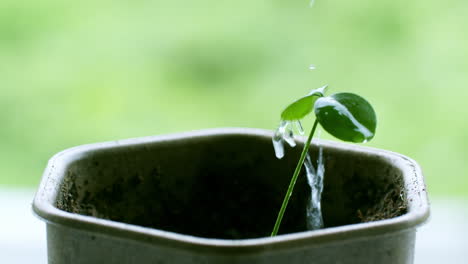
[285, 133]
[315, 180]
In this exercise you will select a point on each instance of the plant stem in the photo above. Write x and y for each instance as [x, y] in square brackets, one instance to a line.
[293, 180]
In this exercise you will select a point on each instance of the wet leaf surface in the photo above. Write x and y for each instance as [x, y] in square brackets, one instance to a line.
[346, 116]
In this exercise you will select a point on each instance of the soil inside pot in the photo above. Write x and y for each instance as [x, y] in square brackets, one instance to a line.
[227, 187]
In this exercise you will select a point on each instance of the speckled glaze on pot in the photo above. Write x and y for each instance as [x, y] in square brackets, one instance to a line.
[211, 196]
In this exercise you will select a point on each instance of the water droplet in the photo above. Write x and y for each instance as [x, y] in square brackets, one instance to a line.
[320, 90]
[278, 144]
[283, 133]
[289, 137]
[312, 67]
[299, 127]
[282, 127]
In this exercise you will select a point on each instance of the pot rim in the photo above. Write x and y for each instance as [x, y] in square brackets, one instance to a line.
[44, 200]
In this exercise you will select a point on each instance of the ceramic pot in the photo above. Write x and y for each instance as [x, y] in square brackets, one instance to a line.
[212, 196]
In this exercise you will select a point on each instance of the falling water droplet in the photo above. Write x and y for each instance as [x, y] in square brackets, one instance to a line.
[282, 127]
[299, 127]
[289, 135]
[278, 144]
[279, 138]
[312, 2]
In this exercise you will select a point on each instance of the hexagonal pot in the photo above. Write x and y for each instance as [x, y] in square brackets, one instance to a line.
[212, 196]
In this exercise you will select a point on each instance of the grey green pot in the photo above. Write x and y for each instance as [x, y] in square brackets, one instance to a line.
[212, 196]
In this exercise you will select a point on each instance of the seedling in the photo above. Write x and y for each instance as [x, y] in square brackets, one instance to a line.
[346, 116]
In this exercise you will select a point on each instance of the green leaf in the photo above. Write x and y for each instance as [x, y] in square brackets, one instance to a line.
[302, 106]
[346, 116]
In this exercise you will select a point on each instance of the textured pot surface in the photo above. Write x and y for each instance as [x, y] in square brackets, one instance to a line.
[212, 196]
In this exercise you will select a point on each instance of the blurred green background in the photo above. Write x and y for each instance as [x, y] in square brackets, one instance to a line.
[76, 72]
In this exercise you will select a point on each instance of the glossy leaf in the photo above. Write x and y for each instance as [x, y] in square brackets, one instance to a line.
[346, 116]
[302, 106]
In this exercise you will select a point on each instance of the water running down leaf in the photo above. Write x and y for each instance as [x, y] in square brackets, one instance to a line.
[346, 116]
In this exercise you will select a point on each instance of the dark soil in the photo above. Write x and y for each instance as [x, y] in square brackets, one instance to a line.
[230, 195]
[370, 200]
[390, 206]
[216, 207]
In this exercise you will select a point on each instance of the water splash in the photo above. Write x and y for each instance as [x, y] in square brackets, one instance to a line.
[285, 133]
[312, 67]
[315, 180]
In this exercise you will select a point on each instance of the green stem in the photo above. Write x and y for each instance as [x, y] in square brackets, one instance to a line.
[293, 180]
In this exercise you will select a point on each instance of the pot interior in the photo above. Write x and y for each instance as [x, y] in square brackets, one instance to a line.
[226, 186]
